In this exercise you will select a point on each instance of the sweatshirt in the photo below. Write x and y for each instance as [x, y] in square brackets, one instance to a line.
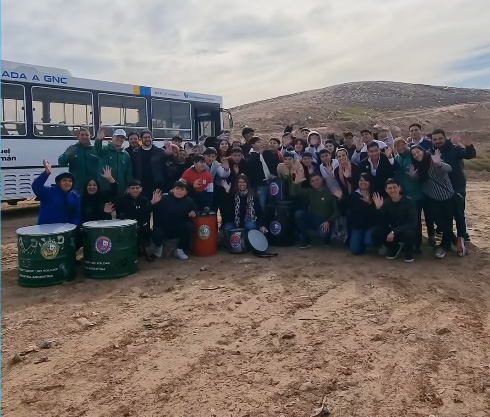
[120, 163]
[171, 211]
[83, 164]
[400, 216]
[322, 203]
[57, 206]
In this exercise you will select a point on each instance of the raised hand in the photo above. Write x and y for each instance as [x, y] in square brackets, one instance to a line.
[157, 197]
[456, 138]
[378, 200]
[168, 147]
[413, 172]
[101, 133]
[226, 186]
[299, 176]
[226, 163]
[329, 168]
[466, 140]
[359, 144]
[437, 157]
[107, 174]
[236, 169]
[338, 193]
[286, 141]
[389, 151]
[108, 208]
[47, 166]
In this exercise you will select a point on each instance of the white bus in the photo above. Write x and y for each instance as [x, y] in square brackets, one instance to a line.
[43, 108]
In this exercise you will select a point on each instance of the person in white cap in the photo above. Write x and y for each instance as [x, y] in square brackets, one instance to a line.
[116, 157]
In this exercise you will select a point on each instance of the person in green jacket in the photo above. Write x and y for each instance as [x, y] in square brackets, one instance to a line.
[114, 156]
[323, 210]
[81, 159]
[412, 187]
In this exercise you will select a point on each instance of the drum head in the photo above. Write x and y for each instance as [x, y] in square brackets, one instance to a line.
[46, 229]
[109, 223]
[258, 241]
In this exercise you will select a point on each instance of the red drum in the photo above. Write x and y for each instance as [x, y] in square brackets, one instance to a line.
[205, 241]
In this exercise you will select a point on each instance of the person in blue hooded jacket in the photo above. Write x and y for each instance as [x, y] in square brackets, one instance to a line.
[59, 203]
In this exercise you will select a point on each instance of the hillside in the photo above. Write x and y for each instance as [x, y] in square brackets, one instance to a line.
[357, 105]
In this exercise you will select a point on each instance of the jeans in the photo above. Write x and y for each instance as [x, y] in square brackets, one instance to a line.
[360, 239]
[247, 226]
[306, 221]
[183, 233]
[263, 193]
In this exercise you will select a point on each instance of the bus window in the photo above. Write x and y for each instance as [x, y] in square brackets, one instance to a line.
[170, 118]
[60, 112]
[13, 110]
[123, 112]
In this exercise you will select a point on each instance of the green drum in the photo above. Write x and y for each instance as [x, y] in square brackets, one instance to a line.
[47, 254]
[110, 248]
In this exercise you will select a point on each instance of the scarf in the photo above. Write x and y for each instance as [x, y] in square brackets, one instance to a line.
[345, 179]
[250, 210]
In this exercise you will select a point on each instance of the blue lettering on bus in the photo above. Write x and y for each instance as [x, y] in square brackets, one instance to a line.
[54, 79]
[35, 78]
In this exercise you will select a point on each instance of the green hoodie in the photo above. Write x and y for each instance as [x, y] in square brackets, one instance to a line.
[83, 164]
[120, 163]
[411, 187]
[322, 202]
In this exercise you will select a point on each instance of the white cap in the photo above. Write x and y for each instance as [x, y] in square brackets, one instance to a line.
[119, 132]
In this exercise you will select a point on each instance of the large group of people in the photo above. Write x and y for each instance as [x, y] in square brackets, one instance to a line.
[369, 192]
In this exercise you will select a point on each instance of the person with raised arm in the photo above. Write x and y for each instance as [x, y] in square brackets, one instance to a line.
[59, 203]
[380, 165]
[114, 156]
[397, 221]
[81, 159]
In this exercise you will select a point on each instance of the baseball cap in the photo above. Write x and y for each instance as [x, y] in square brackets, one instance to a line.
[119, 132]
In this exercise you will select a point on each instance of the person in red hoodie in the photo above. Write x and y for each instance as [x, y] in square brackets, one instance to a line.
[202, 183]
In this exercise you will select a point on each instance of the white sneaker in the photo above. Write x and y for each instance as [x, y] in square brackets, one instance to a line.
[179, 253]
[158, 252]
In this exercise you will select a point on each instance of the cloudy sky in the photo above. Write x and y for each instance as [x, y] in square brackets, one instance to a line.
[254, 49]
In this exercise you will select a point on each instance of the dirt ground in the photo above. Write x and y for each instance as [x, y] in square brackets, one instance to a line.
[238, 336]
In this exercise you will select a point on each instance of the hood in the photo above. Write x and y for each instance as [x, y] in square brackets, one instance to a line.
[59, 177]
[314, 132]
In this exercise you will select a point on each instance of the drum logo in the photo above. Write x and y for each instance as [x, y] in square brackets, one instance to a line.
[274, 188]
[50, 249]
[204, 232]
[103, 245]
[235, 240]
[275, 227]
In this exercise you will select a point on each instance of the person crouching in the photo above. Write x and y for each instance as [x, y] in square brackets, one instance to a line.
[172, 220]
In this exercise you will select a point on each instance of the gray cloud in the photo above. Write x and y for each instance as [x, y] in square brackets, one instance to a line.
[252, 50]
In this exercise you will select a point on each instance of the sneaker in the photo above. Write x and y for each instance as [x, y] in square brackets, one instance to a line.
[467, 238]
[440, 252]
[158, 251]
[460, 245]
[432, 241]
[393, 253]
[305, 245]
[180, 254]
[409, 258]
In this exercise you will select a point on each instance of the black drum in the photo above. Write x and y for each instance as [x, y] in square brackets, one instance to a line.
[236, 241]
[281, 226]
[278, 190]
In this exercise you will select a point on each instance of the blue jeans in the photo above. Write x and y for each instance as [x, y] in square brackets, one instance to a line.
[360, 239]
[308, 221]
[262, 192]
[248, 226]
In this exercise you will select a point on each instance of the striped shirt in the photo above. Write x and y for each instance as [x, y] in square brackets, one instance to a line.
[438, 186]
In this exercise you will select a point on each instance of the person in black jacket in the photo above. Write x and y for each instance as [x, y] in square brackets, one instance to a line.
[149, 164]
[96, 204]
[397, 221]
[361, 214]
[172, 219]
[261, 167]
[453, 154]
[135, 206]
[380, 165]
[134, 143]
[174, 168]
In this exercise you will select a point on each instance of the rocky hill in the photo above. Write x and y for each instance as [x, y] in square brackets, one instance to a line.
[357, 105]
